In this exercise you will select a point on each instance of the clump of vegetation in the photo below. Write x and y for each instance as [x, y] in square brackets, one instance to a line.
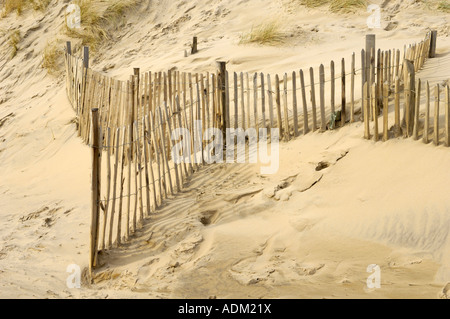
[97, 18]
[20, 5]
[40, 4]
[13, 5]
[13, 41]
[347, 5]
[268, 33]
[51, 57]
[314, 3]
[444, 5]
[336, 5]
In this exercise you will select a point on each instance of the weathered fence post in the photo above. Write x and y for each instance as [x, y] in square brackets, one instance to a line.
[223, 98]
[86, 57]
[409, 80]
[96, 187]
[370, 59]
[433, 41]
[194, 46]
[343, 97]
[84, 81]
[447, 116]
[436, 115]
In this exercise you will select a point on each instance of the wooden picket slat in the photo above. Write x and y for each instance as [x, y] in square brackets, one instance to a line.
[416, 112]
[294, 103]
[436, 115]
[313, 99]
[286, 111]
[322, 98]
[304, 103]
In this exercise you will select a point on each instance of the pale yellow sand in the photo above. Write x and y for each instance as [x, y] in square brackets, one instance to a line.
[383, 203]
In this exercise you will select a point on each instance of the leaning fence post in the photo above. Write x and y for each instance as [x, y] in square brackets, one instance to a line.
[96, 187]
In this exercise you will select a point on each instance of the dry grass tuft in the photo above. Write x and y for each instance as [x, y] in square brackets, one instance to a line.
[346, 6]
[20, 5]
[314, 3]
[341, 6]
[40, 4]
[97, 18]
[13, 41]
[13, 5]
[268, 33]
[444, 5]
[51, 57]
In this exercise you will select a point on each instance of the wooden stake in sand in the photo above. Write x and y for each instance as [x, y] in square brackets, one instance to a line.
[255, 102]
[333, 94]
[236, 101]
[194, 49]
[108, 187]
[313, 99]
[352, 91]
[433, 41]
[278, 102]
[323, 124]
[165, 156]
[366, 105]
[343, 97]
[263, 102]
[409, 96]
[223, 98]
[375, 111]
[385, 111]
[305, 105]
[363, 81]
[447, 116]
[287, 131]
[96, 188]
[113, 207]
[241, 78]
[436, 115]
[427, 114]
[397, 127]
[294, 103]
[129, 161]
[416, 112]
[270, 95]
[127, 229]
[147, 152]
[154, 139]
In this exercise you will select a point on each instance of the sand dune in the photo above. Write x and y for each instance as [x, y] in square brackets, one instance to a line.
[232, 233]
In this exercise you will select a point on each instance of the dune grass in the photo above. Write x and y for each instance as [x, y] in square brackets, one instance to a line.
[336, 5]
[52, 57]
[13, 5]
[20, 5]
[314, 3]
[13, 41]
[444, 5]
[97, 18]
[346, 6]
[267, 33]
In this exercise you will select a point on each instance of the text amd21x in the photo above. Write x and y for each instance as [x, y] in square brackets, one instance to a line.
[236, 140]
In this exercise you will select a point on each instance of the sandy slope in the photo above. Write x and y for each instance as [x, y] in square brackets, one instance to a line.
[229, 234]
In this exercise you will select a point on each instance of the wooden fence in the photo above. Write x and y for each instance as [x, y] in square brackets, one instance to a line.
[129, 123]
